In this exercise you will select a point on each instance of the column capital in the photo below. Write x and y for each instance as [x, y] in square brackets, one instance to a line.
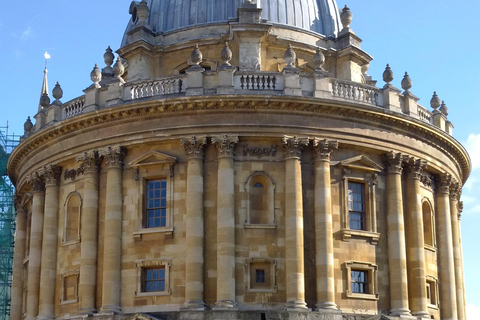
[455, 190]
[36, 180]
[323, 149]
[393, 162]
[460, 209]
[114, 156]
[444, 180]
[225, 145]
[415, 167]
[52, 175]
[91, 161]
[194, 147]
[293, 146]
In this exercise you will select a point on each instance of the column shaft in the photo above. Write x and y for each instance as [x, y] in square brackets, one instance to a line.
[446, 266]
[397, 264]
[17, 270]
[416, 242]
[457, 255]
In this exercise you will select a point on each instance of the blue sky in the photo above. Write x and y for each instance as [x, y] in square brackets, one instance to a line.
[436, 42]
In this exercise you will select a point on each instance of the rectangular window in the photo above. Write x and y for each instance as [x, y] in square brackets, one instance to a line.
[432, 291]
[359, 280]
[154, 279]
[69, 287]
[156, 214]
[260, 276]
[356, 205]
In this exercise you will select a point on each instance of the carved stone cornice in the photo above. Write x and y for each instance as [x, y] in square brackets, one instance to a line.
[91, 161]
[52, 175]
[194, 147]
[323, 149]
[415, 167]
[114, 156]
[37, 181]
[292, 146]
[455, 190]
[225, 145]
[393, 161]
[444, 181]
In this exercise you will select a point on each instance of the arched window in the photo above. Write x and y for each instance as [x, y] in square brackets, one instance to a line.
[72, 218]
[260, 196]
[428, 224]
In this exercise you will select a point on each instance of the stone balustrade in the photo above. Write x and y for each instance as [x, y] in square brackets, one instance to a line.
[73, 107]
[258, 81]
[355, 91]
[155, 88]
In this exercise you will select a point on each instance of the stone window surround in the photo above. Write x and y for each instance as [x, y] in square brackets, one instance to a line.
[64, 275]
[65, 219]
[433, 282]
[271, 213]
[429, 247]
[372, 270]
[142, 264]
[272, 279]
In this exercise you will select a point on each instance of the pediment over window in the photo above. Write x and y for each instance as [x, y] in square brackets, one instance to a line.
[141, 316]
[152, 158]
[360, 162]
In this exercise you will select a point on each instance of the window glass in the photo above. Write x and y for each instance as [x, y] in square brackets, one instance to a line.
[359, 281]
[156, 215]
[154, 279]
[356, 205]
[73, 218]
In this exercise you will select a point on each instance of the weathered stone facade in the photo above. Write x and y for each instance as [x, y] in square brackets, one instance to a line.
[224, 182]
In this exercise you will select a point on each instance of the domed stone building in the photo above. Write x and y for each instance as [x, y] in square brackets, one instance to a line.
[238, 162]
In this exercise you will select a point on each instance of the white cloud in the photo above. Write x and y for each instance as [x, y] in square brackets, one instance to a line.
[473, 312]
[471, 188]
[27, 33]
[473, 147]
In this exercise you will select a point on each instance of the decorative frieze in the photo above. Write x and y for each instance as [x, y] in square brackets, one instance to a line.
[90, 161]
[428, 180]
[194, 147]
[72, 174]
[225, 145]
[293, 146]
[444, 182]
[394, 162]
[114, 156]
[323, 149]
[260, 152]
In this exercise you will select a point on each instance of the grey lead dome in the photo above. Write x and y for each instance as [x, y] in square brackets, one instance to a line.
[320, 16]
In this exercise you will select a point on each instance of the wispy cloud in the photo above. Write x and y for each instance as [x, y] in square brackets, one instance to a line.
[471, 188]
[27, 33]
[473, 312]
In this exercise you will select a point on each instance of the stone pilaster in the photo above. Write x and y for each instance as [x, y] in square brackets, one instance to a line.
[48, 273]
[35, 255]
[397, 257]
[18, 257]
[324, 259]
[294, 224]
[415, 240]
[112, 262]
[89, 243]
[225, 222]
[457, 249]
[194, 266]
[446, 265]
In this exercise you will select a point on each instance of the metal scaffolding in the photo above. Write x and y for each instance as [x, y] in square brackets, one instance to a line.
[7, 221]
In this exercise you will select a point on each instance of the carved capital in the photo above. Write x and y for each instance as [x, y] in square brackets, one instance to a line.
[444, 182]
[460, 209]
[36, 180]
[393, 161]
[455, 190]
[17, 202]
[225, 145]
[91, 161]
[52, 175]
[323, 149]
[194, 147]
[415, 167]
[292, 146]
[114, 156]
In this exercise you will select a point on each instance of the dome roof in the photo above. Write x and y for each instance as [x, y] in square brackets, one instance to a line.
[320, 16]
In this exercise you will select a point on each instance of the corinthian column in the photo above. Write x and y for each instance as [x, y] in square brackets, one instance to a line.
[50, 238]
[294, 224]
[225, 222]
[457, 249]
[415, 241]
[89, 223]
[112, 258]
[18, 257]
[194, 260]
[458, 255]
[446, 265]
[397, 258]
[324, 259]
[36, 232]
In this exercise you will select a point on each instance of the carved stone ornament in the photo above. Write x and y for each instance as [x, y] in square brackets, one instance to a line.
[119, 70]
[52, 174]
[435, 101]
[323, 149]
[194, 147]
[406, 82]
[388, 74]
[260, 152]
[96, 76]
[114, 156]
[444, 182]
[36, 180]
[415, 167]
[72, 174]
[290, 57]
[108, 57]
[443, 108]
[455, 190]
[196, 57]
[428, 181]
[394, 162]
[293, 146]
[346, 17]
[90, 161]
[319, 60]
[226, 56]
[460, 209]
[225, 145]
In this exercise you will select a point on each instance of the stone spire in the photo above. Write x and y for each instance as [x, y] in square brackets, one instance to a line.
[44, 93]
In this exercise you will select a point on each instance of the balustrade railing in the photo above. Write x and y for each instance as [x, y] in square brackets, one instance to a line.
[74, 107]
[259, 81]
[424, 114]
[355, 91]
[160, 87]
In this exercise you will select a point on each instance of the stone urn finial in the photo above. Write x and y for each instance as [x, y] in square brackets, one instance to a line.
[196, 57]
[388, 75]
[444, 109]
[96, 76]
[319, 60]
[406, 83]
[119, 70]
[290, 57]
[226, 55]
[435, 102]
[108, 57]
[45, 101]
[346, 17]
[143, 11]
[57, 93]
[27, 126]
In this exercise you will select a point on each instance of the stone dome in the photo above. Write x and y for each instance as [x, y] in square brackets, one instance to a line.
[320, 16]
